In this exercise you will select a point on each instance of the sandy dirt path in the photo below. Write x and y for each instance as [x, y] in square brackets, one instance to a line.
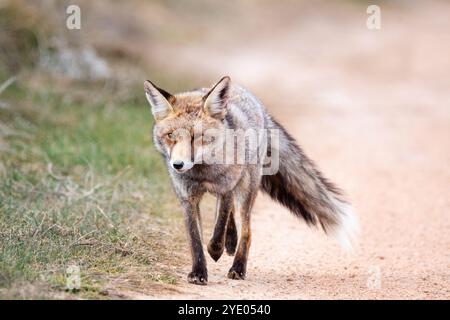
[372, 108]
[401, 195]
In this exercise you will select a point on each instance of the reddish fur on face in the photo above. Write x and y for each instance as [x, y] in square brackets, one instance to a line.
[188, 115]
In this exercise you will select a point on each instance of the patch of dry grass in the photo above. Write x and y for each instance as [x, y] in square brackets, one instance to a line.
[82, 185]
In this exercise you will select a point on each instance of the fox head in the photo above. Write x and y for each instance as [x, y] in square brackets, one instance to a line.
[186, 124]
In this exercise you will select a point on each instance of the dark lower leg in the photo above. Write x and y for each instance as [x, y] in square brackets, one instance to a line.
[231, 237]
[216, 245]
[199, 273]
[239, 267]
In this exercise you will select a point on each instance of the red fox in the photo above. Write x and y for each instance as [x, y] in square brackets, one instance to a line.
[182, 134]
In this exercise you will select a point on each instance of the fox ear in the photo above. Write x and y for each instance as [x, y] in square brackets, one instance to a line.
[159, 100]
[215, 101]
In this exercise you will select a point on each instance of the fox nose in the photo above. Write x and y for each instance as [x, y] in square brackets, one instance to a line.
[177, 164]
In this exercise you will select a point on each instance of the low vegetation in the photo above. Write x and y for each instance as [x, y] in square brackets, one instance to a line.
[81, 186]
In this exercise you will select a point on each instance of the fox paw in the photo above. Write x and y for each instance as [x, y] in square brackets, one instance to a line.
[199, 278]
[236, 273]
[215, 250]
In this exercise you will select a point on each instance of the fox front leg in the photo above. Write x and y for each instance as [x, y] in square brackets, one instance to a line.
[225, 206]
[199, 273]
[246, 191]
[239, 268]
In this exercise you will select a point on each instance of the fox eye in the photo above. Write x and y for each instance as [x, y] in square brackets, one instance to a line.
[170, 135]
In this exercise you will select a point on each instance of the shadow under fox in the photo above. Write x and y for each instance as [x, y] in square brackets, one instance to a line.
[297, 184]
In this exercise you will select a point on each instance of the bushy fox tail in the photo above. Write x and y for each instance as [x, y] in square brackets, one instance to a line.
[300, 187]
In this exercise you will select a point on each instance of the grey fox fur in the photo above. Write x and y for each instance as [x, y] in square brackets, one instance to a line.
[298, 185]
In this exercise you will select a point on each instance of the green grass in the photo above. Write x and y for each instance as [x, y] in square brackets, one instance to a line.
[81, 184]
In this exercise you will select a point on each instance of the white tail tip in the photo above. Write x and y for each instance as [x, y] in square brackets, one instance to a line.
[347, 228]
